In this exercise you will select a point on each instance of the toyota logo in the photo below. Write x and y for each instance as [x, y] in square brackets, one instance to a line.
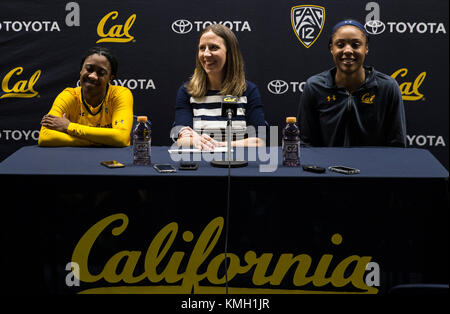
[374, 27]
[181, 26]
[278, 87]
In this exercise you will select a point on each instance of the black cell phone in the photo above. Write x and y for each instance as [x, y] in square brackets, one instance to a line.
[184, 165]
[344, 169]
[164, 168]
[313, 168]
[112, 164]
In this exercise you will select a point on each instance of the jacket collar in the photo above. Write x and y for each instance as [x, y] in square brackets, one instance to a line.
[368, 83]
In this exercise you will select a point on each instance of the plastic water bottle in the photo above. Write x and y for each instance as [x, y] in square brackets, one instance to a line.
[142, 141]
[291, 143]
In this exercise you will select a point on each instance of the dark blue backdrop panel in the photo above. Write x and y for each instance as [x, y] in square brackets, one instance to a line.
[155, 42]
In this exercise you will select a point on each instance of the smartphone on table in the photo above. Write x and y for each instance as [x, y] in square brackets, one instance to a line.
[185, 165]
[112, 164]
[164, 168]
[344, 169]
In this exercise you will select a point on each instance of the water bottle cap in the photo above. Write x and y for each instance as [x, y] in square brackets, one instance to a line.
[291, 119]
[142, 119]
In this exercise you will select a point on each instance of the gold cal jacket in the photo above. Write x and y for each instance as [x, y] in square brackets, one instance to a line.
[107, 124]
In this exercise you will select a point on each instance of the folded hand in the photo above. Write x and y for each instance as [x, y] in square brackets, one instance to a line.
[203, 141]
[56, 123]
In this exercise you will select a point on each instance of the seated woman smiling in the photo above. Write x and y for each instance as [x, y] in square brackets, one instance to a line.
[96, 113]
[219, 72]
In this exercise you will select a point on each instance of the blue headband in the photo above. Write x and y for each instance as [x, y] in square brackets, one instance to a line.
[352, 23]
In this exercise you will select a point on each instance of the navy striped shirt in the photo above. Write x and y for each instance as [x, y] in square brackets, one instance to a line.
[204, 114]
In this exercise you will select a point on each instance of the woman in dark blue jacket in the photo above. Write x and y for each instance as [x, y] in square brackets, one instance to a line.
[351, 104]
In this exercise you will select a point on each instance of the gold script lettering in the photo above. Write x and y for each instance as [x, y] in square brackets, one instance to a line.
[410, 90]
[21, 89]
[367, 99]
[82, 250]
[115, 33]
[190, 279]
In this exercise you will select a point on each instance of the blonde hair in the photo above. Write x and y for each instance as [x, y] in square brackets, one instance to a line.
[234, 78]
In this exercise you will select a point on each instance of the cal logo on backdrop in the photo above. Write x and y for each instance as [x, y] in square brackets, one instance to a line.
[307, 22]
[117, 33]
[21, 88]
[410, 90]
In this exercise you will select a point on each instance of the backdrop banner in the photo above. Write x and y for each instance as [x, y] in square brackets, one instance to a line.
[283, 44]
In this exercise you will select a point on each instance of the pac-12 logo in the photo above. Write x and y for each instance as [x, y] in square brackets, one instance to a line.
[307, 22]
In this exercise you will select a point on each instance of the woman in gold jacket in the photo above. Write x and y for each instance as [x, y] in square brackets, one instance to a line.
[96, 113]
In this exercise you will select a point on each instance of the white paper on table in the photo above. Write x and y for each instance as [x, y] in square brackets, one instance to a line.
[221, 149]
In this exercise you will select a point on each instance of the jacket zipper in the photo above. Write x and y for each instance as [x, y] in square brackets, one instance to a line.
[349, 102]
